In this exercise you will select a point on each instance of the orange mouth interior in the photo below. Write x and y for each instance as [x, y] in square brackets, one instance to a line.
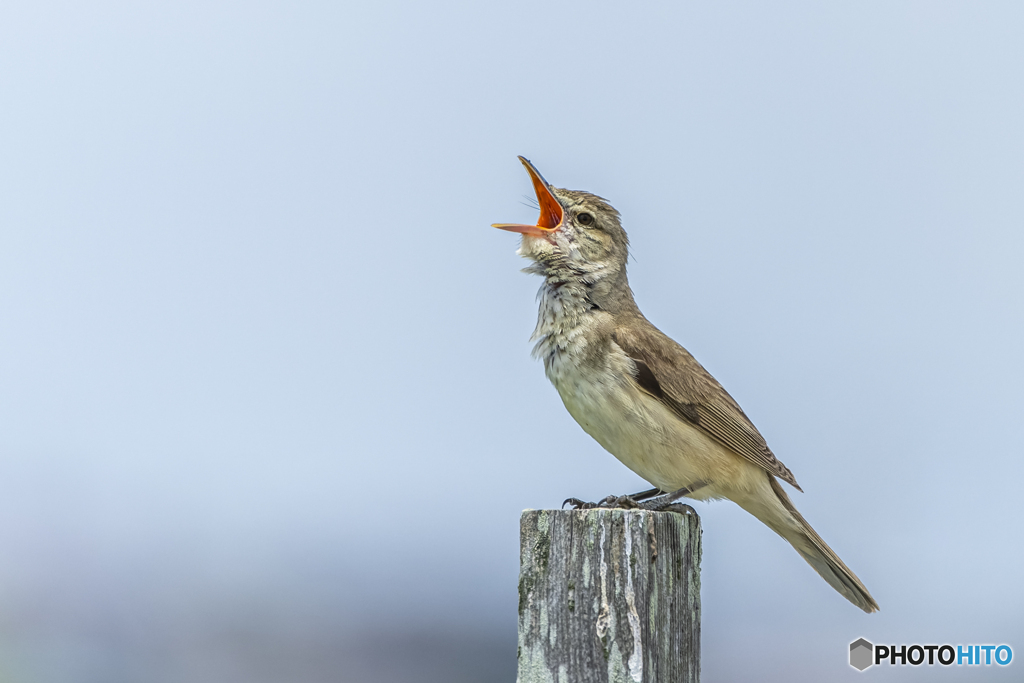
[551, 212]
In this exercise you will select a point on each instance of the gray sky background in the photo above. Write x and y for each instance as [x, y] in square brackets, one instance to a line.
[267, 408]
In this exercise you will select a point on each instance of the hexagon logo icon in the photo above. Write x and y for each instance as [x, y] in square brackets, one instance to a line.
[861, 652]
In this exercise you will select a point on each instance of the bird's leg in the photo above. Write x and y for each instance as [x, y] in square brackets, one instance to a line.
[644, 495]
[667, 502]
[629, 502]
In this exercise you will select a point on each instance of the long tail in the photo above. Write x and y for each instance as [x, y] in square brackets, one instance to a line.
[789, 524]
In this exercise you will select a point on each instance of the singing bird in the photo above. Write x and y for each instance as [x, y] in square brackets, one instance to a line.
[641, 395]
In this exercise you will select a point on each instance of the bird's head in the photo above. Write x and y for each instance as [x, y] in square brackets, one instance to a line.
[578, 235]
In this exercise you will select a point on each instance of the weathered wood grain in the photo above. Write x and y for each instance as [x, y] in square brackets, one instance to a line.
[609, 596]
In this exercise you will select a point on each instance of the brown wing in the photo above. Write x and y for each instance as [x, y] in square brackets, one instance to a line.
[668, 372]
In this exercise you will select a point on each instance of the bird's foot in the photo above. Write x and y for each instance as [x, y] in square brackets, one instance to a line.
[667, 502]
[606, 503]
[658, 505]
[663, 504]
[630, 502]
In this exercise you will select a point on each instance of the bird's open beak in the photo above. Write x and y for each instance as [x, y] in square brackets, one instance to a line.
[551, 212]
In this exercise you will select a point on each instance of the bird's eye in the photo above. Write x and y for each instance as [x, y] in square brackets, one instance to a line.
[585, 219]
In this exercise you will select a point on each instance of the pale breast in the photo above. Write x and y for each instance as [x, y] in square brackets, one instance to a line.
[638, 429]
[594, 377]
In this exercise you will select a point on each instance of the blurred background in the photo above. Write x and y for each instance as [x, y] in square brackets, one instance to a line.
[267, 406]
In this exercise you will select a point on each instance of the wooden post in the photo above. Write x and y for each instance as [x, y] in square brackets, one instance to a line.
[609, 596]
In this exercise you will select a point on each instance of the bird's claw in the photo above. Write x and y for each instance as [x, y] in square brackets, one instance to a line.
[606, 503]
[622, 502]
[680, 508]
[627, 503]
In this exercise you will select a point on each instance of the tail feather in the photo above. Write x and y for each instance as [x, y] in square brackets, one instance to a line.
[822, 558]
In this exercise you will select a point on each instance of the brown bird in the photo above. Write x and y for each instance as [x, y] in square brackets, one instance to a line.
[641, 395]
